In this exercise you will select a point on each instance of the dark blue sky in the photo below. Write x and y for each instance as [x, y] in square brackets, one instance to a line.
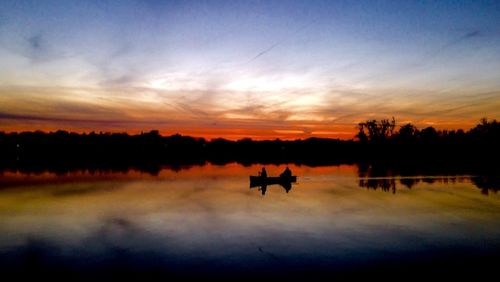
[267, 67]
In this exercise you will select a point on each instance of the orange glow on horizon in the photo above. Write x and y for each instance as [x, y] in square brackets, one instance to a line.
[343, 132]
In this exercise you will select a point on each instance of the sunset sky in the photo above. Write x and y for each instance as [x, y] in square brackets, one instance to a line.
[259, 69]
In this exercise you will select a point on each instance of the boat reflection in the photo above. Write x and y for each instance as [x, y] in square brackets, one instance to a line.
[263, 187]
[262, 182]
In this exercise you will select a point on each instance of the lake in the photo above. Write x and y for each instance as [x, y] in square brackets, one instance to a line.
[205, 221]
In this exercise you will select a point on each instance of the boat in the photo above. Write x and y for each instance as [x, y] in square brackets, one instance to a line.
[269, 180]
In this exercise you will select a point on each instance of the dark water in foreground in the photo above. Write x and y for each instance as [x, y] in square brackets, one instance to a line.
[205, 221]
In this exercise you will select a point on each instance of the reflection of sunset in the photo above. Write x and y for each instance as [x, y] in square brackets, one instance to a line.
[326, 201]
[233, 170]
[208, 216]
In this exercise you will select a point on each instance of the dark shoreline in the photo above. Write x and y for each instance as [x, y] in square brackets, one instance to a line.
[379, 150]
[376, 142]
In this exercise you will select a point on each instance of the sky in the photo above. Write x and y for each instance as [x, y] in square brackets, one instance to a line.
[258, 69]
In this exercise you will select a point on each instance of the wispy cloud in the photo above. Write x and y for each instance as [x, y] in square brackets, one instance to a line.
[283, 40]
[453, 42]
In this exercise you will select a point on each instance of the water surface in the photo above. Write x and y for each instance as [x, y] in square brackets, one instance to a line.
[206, 221]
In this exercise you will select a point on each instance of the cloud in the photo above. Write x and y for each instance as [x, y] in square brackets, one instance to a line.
[231, 113]
[39, 49]
[35, 42]
[283, 40]
[263, 52]
[75, 121]
[453, 42]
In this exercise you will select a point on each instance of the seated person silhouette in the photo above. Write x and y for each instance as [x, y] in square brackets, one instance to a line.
[286, 173]
[263, 173]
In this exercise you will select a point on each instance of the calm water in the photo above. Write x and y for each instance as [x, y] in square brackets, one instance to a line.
[206, 221]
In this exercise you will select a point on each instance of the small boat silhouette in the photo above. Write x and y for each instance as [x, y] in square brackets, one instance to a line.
[269, 180]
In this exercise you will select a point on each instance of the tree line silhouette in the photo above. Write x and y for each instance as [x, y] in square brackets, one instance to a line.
[379, 139]
[376, 142]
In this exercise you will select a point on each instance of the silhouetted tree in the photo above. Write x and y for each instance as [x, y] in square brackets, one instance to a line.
[407, 132]
[488, 131]
[376, 131]
[429, 134]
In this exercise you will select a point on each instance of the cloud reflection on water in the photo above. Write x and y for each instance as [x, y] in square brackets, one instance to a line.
[206, 218]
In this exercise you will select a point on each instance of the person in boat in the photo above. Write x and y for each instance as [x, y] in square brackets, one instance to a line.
[286, 173]
[263, 173]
